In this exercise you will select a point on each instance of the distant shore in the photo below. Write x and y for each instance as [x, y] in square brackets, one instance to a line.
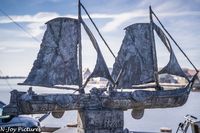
[12, 77]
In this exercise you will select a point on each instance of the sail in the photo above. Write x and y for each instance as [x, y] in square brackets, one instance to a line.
[56, 63]
[101, 69]
[135, 57]
[173, 66]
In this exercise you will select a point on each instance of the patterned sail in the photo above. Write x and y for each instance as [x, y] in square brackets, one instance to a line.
[101, 69]
[136, 57]
[56, 63]
[173, 66]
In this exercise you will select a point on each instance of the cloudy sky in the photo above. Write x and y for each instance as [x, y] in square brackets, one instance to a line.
[18, 50]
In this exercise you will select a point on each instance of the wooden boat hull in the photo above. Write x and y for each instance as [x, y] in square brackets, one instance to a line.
[148, 99]
[140, 100]
[25, 103]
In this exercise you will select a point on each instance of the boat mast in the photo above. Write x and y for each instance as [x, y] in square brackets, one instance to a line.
[80, 49]
[154, 50]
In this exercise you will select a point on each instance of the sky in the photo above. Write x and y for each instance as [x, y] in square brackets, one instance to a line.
[18, 50]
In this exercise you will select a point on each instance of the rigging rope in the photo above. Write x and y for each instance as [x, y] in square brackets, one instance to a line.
[22, 28]
[102, 39]
[174, 41]
[98, 31]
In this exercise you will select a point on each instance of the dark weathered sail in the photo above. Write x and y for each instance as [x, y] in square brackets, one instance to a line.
[135, 57]
[173, 66]
[56, 62]
[101, 69]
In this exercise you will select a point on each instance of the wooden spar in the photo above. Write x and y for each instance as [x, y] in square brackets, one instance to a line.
[154, 86]
[153, 48]
[55, 87]
[80, 49]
